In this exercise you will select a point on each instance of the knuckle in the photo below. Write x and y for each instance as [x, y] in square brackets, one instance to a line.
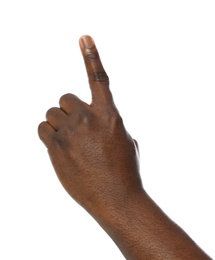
[100, 76]
[87, 119]
[68, 98]
[81, 116]
[52, 111]
[41, 128]
[92, 56]
[44, 133]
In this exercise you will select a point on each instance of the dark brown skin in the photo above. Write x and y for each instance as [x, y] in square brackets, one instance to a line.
[96, 160]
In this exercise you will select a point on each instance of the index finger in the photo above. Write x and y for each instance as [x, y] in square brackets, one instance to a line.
[98, 78]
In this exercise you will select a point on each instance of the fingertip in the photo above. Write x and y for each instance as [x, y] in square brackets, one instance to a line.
[86, 42]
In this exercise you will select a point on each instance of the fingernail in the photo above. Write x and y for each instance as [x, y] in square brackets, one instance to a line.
[87, 42]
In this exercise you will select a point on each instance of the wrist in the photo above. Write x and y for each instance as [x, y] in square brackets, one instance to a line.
[141, 230]
[113, 218]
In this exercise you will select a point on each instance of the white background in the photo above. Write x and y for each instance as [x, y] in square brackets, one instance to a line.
[160, 57]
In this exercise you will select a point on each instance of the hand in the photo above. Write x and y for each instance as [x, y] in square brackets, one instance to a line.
[94, 157]
[96, 161]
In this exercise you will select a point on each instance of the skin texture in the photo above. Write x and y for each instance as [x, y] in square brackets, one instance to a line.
[97, 162]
